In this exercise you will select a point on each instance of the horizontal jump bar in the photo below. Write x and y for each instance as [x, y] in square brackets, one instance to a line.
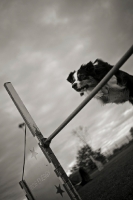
[92, 94]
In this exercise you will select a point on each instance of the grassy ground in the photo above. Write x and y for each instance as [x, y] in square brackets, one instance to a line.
[114, 182]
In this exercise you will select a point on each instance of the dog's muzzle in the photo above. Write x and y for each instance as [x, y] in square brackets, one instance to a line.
[74, 86]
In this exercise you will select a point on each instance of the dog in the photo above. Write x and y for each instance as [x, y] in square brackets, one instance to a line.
[118, 89]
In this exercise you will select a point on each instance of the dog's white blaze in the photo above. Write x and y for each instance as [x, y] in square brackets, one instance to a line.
[76, 80]
[75, 76]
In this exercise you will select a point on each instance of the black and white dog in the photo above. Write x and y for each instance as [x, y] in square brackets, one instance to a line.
[118, 89]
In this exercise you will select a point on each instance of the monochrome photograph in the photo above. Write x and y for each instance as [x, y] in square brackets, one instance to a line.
[66, 99]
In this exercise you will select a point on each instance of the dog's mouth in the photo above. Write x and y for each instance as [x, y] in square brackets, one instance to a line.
[83, 88]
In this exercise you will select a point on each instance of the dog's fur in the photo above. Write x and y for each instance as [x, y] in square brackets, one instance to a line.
[118, 89]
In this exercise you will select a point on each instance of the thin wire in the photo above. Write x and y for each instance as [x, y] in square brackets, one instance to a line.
[24, 152]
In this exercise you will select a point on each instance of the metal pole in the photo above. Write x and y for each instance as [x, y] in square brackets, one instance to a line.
[93, 93]
[48, 153]
[24, 186]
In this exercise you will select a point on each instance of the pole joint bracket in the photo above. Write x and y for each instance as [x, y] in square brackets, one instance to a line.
[45, 142]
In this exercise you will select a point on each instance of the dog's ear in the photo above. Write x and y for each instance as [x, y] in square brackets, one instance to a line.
[82, 66]
[86, 67]
[70, 77]
[89, 66]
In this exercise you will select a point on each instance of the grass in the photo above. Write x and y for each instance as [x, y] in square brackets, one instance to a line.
[114, 182]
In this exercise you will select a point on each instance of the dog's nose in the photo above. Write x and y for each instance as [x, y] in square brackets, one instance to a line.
[74, 85]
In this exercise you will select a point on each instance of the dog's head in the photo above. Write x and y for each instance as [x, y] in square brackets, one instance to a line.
[83, 79]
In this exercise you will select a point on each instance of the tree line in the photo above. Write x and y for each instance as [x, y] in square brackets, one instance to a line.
[83, 158]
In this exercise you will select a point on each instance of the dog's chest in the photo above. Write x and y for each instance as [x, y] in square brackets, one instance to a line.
[115, 96]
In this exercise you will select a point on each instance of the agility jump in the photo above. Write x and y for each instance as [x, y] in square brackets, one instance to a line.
[118, 65]
[37, 188]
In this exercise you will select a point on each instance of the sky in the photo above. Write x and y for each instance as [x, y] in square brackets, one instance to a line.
[41, 42]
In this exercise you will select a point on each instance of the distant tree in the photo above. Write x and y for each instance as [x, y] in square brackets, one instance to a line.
[80, 132]
[83, 159]
[74, 168]
[99, 156]
[83, 155]
[131, 131]
[116, 151]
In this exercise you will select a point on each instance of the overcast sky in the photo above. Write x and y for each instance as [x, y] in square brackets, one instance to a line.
[41, 42]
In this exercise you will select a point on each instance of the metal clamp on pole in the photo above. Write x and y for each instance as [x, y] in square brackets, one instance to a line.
[24, 186]
[45, 143]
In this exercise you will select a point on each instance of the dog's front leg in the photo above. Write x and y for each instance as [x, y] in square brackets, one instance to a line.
[113, 83]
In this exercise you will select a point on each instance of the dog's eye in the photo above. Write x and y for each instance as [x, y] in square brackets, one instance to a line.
[81, 77]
